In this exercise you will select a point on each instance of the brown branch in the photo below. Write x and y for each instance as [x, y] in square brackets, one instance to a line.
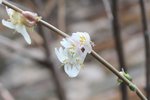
[5, 94]
[119, 45]
[56, 74]
[21, 50]
[61, 15]
[147, 45]
[50, 4]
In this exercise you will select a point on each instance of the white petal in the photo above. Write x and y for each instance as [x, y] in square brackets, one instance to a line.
[64, 43]
[60, 54]
[88, 48]
[72, 71]
[67, 42]
[8, 24]
[22, 29]
[82, 56]
[63, 53]
[76, 36]
[1, 1]
[9, 11]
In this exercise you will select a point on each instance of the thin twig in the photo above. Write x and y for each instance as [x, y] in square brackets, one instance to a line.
[94, 54]
[147, 46]
[5, 94]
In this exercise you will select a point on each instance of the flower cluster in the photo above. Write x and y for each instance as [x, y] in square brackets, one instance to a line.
[73, 52]
[21, 22]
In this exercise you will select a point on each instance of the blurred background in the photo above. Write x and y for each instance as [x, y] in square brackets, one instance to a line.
[32, 72]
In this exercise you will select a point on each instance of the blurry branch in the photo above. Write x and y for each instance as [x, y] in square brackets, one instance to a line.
[108, 9]
[94, 54]
[119, 45]
[38, 3]
[30, 4]
[16, 47]
[113, 20]
[36, 38]
[147, 45]
[50, 65]
[50, 4]
[56, 74]
[62, 15]
[5, 94]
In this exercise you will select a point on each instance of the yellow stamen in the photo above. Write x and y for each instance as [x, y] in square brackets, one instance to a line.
[82, 39]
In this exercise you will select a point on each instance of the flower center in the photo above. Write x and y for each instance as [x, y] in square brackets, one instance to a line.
[82, 39]
[15, 18]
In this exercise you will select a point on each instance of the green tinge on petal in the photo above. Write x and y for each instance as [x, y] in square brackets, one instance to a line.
[9, 11]
[58, 54]
[72, 70]
[22, 29]
[65, 43]
[61, 54]
[8, 24]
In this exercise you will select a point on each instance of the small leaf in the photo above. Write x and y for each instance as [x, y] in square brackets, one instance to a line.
[128, 76]
[132, 87]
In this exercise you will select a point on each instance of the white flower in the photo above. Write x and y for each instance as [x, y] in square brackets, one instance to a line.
[83, 40]
[17, 22]
[79, 39]
[72, 60]
[75, 50]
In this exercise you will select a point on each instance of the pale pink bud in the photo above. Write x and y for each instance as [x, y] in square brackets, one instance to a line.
[31, 17]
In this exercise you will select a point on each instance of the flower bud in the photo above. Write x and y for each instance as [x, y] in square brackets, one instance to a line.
[30, 18]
